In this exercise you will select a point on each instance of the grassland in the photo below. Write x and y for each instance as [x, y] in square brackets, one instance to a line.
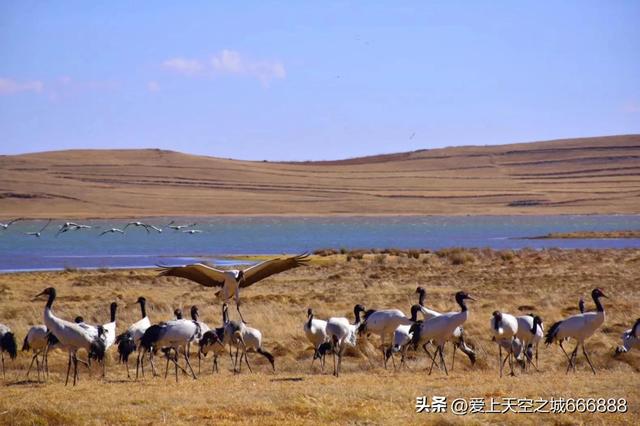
[547, 282]
[573, 176]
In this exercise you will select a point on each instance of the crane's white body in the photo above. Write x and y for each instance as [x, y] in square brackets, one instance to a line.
[506, 329]
[525, 324]
[342, 334]
[580, 326]
[316, 332]
[138, 328]
[630, 339]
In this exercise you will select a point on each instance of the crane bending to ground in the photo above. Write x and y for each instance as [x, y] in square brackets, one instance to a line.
[232, 280]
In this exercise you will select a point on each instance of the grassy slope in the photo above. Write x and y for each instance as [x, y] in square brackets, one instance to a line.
[588, 175]
[548, 282]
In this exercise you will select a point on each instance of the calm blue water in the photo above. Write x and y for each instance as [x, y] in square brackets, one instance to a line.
[262, 235]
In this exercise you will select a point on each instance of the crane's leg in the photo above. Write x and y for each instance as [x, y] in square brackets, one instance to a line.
[38, 367]
[453, 359]
[193, 374]
[2, 356]
[565, 352]
[66, 381]
[31, 365]
[537, 355]
[75, 369]
[246, 360]
[238, 303]
[500, 363]
[166, 367]
[584, 351]
[572, 359]
[340, 359]
[175, 361]
[444, 364]
[433, 360]
[137, 364]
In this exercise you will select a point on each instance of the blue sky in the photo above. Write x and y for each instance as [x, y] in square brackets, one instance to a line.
[299, 81]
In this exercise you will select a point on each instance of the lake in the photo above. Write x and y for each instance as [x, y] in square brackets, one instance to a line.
[269, 235]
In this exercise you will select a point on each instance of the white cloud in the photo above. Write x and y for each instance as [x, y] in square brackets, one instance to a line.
[183, 66]
[10, 87]
[232, 62]
[153, 86]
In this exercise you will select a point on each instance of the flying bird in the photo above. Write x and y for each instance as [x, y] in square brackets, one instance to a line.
[137, 224]
[111, 230]
[192, 231]
[179, 227]
[38, 233]
[232, 280]
[8, 224]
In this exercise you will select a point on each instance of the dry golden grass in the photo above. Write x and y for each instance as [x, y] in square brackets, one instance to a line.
[573, 176]
[592, 234]
[547, 282]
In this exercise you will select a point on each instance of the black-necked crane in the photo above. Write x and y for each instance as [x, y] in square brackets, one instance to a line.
[439, 329]
[530, 332]
[214, 340]
[458, 334]
[4, 226]
[630, 339]
[179, 227]
[234, 332]
[129, 340]
[402, 338]
[72, 336]
[316, 332]
[195, 316]
[109, 336]
[37, 234]
[233, 280]
[111, 231]
[383, 323]
[579, 327]
[504, 327]
[137, 224]
[252, 339]
[341, 333]
[174, 334]
[7, 344]
[36, 340]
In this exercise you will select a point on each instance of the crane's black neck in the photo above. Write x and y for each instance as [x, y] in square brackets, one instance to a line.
[461, 303]
[225, 315]
[52, 297]
[310, 319]
[534, 327]
[497, 319]
[356, 313]
[596, 300]
[423, 296]
[194, 314]
[143, 307]
[414, 312]
[113, 312]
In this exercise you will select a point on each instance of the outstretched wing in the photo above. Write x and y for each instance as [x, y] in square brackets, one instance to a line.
[202, 274]
[270, 267]
[45, 226]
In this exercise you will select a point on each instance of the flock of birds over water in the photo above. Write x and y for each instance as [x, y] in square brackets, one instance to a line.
[73, 226]
[518, 336]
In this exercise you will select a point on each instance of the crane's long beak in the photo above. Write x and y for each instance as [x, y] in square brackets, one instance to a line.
[37, 295]
[471, 298]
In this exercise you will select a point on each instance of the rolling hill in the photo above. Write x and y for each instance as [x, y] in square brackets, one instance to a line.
[599, 175]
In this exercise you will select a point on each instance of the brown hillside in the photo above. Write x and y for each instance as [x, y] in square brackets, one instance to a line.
[587, 175]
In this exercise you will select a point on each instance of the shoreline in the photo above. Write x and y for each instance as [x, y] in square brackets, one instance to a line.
[306, 215]
[588, 235]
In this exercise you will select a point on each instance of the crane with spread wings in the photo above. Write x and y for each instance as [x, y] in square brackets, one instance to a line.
[233, 279]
